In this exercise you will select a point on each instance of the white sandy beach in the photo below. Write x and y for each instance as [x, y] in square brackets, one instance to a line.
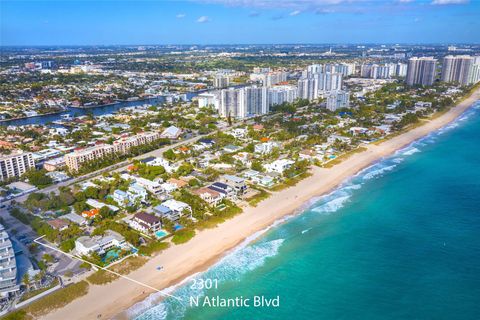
[209, 245]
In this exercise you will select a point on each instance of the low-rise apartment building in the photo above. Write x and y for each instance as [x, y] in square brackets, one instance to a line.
[75, 159]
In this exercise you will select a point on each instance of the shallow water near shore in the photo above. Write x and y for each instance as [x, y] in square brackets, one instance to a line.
[397, 241]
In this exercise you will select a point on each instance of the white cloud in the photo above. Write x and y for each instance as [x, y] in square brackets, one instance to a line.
[324, 11]
[445, 2]
[181, 15]
[295, 13]
[405, 1]
[203, 19]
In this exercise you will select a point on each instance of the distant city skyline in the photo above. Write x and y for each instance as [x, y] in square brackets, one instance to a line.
[238, 22]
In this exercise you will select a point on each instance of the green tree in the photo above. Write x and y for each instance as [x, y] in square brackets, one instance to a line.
[257, 165]
[26, 280]
[38, 178]
[169, 155]
[91, 193]
[80, 206]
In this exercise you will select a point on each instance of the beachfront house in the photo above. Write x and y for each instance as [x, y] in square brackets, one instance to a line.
[212, 197]
[176, 209]
[306, 154]
[164, 212]
[279, 165]
[237, 183]
[263, 180]
[224, 189]
[357, 130]
[146, 223]
[85, 245]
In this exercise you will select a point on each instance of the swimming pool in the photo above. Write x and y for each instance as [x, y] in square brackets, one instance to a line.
[161, 234]
[111, 255]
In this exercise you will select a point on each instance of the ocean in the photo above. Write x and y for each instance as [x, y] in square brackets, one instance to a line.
[400, 240]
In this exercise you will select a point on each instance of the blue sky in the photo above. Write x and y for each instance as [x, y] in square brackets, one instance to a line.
[238, 21]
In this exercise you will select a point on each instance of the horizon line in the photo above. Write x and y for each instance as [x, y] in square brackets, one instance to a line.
[241, 44]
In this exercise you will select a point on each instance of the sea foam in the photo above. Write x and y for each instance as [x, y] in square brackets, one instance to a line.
[244, 258]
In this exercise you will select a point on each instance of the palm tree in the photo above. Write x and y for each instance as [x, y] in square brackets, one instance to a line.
[26, 280]
[38, 278]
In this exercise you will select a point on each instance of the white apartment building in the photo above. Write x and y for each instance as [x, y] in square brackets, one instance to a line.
[221, 81]
[243, 102]
[383, 71]
[208, 99]
[401, 69]
[8, 266]
[316, 81]
[269, 78]
[346, 69]
[475, 72]
[421, 71]
[280, 94]
[308, 88]
[255, 100]
[337, 100]
[329, 81]
[232, 103]
[15, 164]
[461, 69]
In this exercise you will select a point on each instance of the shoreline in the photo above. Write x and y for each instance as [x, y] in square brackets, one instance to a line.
[95, 105]
[36, 116]
[210, 245]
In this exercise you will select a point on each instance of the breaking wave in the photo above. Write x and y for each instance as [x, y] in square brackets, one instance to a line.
[244, 258]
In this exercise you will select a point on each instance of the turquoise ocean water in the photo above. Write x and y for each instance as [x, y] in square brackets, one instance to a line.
[400, 240]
